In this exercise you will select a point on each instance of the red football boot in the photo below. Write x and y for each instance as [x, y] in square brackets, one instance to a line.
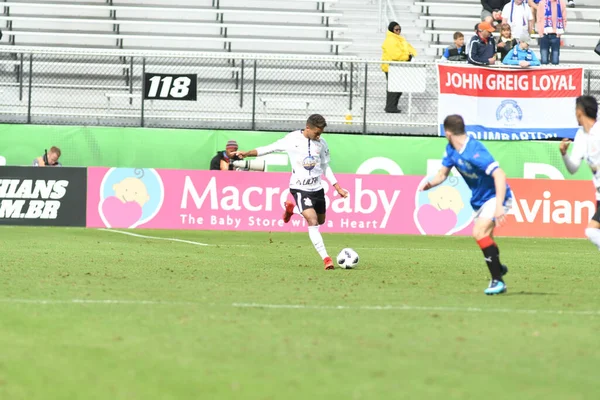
[289, 211]
[328, 263]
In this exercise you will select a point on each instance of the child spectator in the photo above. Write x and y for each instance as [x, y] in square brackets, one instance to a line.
[522, 55]
[456, 51]
[506, 42]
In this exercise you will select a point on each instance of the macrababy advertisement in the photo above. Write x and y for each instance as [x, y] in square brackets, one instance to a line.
[511, 104]
[377, 204]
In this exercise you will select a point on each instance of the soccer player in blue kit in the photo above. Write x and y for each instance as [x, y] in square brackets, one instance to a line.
[491, 196]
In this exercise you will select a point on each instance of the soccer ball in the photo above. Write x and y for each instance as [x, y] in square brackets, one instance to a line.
[347, 258]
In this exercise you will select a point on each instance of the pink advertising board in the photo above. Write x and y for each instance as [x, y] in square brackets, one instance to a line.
[253, 201]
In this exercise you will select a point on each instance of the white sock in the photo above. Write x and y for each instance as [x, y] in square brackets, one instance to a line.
[317, 240]
[594, 236]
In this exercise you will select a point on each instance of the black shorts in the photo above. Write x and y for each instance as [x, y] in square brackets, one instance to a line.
[596, 216]
[305, 200]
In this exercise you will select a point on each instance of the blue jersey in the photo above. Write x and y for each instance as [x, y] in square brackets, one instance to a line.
[476, 165]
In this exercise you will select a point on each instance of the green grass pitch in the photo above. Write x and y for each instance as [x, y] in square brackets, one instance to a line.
[90, 314]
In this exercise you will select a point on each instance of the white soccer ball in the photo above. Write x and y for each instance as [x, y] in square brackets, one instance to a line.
[347, 258]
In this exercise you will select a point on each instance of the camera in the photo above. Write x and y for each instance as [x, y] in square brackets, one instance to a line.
[249, 165]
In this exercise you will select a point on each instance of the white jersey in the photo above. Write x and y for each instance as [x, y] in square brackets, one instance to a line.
[586, 146]
[309, 159]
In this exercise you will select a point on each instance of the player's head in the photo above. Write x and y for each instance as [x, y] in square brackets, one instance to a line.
[53, 155]
[586, 107]
[231, 148]
[454, 125]
[485, 29]
[314, 126]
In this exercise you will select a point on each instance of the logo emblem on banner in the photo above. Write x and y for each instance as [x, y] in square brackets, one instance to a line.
[130, 197]
[509, 113]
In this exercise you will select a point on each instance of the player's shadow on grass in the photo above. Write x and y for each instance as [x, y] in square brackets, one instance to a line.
[522, 293]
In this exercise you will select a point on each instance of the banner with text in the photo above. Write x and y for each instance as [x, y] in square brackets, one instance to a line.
[514, 104]
[43, 196]
[378, 204]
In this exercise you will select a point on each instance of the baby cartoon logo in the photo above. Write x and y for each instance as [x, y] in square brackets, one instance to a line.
[130, 197]
[445, 209]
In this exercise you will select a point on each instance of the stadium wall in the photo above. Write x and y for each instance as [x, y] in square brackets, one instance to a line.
[193, 149]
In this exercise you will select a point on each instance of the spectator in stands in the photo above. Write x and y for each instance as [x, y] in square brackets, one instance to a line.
[49, 159]
[488, 9]
[518, 15]
[482, 46]
[533, 4]
[522, 55]
[468, 46]
[496, 18]
[395, 48]
[223, 160]
[506, 41]
[456, 51]
[551, 24]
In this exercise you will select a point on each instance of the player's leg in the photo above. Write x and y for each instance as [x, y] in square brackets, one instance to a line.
[483, 231]
[306, 204]
[593, 229]
[289, 211]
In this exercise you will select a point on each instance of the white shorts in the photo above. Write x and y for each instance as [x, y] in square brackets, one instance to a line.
[488, 209]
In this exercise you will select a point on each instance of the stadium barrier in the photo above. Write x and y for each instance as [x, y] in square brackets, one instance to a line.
[221, 91]
[192, 149]
[43, 196]
[129, 198]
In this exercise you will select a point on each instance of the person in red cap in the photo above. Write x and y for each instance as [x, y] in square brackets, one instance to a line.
[223, 159]
[482, 47]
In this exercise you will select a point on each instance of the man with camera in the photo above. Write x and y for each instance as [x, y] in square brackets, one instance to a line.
[49, 159]
[223, 160]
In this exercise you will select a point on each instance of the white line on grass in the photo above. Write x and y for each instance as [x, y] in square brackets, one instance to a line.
[246, 245]
[155, 237]
[414, 308]
[89, 301]
[305, 306]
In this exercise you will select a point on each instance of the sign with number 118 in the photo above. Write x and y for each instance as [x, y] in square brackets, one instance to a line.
[170, 87]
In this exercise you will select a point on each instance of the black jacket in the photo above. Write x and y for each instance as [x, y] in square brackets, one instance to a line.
[215, 163]
[492, 5]
[480, 52]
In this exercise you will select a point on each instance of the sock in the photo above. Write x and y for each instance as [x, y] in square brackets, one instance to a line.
[317, 240]
[594, 235]
[491, 253]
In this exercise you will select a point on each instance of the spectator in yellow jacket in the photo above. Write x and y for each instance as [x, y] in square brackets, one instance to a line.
[395, 48]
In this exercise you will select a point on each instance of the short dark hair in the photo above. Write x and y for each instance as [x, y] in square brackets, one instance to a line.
[316, 121]
[458, 35]
[455, 124]
[588, 105]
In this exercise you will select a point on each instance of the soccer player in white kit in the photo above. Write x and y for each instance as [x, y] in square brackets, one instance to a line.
[309, 156]
[586, 145]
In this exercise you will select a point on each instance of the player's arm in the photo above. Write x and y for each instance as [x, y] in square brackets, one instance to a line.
[278, 146]
[328, 172]
[573, 161]
[439, 178]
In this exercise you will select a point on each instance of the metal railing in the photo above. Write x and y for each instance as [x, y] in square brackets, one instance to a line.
[249, 92]
[386, 14]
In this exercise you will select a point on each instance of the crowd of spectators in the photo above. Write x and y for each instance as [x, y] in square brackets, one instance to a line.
[514, 22]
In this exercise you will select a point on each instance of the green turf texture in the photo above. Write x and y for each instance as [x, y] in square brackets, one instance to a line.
[197, 345]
